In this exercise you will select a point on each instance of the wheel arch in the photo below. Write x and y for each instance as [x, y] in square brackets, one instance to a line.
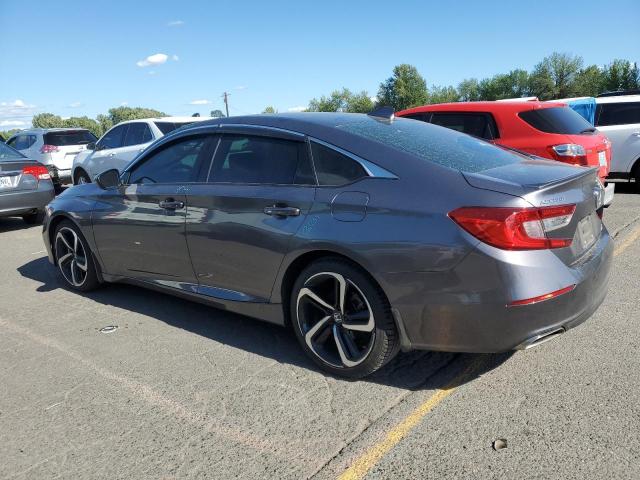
[77, 171]
[635, 170]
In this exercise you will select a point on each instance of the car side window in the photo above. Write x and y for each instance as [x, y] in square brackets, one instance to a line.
[334, 168]
[12, 142]
[423, 117]
[262, 160]
[475, 124]
[32, 140]
[137, 134]
[114, 138]
[618, 114]
[178, 162]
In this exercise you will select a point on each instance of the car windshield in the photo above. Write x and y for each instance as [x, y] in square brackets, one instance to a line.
[71, 137]
[8, 154]
[562, 120]
[433, 144]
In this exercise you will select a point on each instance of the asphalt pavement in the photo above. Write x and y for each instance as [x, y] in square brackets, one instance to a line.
[180, 390]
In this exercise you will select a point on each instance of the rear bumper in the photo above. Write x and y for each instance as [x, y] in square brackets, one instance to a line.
[21, 202]
[59, 176]
[465, 309]
[609, 192]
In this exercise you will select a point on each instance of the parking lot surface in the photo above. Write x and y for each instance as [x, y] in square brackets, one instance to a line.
[180, 390]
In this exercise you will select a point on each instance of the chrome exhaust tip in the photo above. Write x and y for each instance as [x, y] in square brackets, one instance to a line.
[540, 339]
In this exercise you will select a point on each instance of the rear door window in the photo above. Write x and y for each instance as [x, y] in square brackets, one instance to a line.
[137, 134]
[261, 160]
[72, 137]
[562, 120]
[168, 127]
[479, 125]
[114, 138]
[334, 168]
[617, 114]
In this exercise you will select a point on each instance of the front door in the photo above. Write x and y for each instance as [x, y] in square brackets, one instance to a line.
[140, 228]
[239, 224]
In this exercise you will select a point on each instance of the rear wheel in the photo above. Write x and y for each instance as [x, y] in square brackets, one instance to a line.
[342, 319]
[74, 258]
[82, 178]
[34, 218]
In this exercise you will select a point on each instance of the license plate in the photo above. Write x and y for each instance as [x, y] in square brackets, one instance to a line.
[586, 232]
[5, 182]
[602, 158]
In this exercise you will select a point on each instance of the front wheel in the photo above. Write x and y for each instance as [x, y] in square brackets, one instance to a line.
[34, 218]
[342, 319]
[74, 258]
[82, 178]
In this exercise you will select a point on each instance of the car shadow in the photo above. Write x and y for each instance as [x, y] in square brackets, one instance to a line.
[410, 370]
[10, 224]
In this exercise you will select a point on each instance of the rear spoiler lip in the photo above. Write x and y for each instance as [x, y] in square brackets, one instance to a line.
[581, 173]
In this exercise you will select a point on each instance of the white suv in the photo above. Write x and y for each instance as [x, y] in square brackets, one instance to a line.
[55, 148]
[618, 117]
[123, 143]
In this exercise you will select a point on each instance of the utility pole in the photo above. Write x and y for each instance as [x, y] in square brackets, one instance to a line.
[225, 95]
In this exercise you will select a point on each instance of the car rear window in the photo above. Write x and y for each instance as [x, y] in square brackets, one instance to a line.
[561, 120]
[433, 144]
[618, 113]
[8, 154]
[168, 127]
[74, 137]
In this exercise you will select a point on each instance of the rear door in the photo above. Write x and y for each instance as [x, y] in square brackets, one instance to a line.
[620, 122]
[239, 225]
[139, 228]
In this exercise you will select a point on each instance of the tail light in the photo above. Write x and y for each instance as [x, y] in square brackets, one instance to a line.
[570, 152]
[515, 228]
[38, 171]
[48, 148]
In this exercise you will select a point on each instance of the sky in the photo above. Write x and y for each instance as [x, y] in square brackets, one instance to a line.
[75, 58]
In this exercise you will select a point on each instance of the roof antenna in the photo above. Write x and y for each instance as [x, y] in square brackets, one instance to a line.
[383, 113]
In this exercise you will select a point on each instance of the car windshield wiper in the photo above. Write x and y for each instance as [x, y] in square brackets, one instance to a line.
[589, 130]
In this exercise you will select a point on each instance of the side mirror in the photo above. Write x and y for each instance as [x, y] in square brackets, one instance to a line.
[91, 146]
[109, 179]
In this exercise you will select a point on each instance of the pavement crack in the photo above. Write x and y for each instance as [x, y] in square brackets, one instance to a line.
[625, 227]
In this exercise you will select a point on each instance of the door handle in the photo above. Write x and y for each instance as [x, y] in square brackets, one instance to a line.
[279, 211]
[171, 204]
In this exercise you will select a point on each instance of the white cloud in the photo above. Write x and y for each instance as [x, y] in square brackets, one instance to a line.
[175, 23]
[12, 123]
[299, 108]
[155, 59]
[124, 104]
[200, 102]
[75, 105]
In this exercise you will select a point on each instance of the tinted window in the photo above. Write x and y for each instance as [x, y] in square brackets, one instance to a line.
[618, 113]
[22, 142]
[178, 162]
[263, 160]
[137, 133]
[435, 145]
[75, 137]
[334, 168]
[168, 127]
[423, 117]
[114, 138]
[8, 154]
[477, 124]
[557, 120]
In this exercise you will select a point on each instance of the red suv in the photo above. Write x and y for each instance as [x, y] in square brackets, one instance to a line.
[546, 129]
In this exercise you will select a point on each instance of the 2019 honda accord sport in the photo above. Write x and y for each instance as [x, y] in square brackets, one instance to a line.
[365, 234]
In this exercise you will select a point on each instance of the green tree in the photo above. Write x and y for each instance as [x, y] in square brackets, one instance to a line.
[555, 75]
[121, 114]
[105, 123]
[270, 109]
[84, 122]
[514, 84]
[217, 114]
[443, 94]
[47, 120]
[405, 88]
[469, 90]
[342, 101]
[359, 102]
[589, 82]
[621, 75]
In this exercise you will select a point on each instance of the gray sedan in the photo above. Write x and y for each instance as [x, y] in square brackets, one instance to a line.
[364, 234]
[25, 186]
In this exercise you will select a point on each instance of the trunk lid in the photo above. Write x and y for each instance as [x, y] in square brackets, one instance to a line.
[12, 179]
[547, 184]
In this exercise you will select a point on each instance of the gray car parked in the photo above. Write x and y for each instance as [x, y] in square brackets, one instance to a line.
[365, 234]
[25, 186]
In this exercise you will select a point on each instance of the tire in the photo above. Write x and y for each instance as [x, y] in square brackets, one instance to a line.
[353, 341]
[81, 178]
[34, 218]
[74, 258]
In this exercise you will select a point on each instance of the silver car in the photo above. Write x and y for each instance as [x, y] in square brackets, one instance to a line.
[119, 145]
[53, 147]
[25, 186]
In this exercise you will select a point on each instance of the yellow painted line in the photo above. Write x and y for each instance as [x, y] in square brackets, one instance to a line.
[361, 466]
[628, 241]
